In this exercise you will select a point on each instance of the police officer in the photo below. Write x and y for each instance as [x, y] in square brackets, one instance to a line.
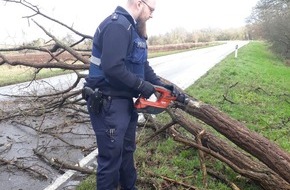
[119, 71]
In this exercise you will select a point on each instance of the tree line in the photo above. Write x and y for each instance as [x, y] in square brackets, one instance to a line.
[181, 35]
[270, 21]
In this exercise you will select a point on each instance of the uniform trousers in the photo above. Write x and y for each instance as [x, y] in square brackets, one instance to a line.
[115, 129]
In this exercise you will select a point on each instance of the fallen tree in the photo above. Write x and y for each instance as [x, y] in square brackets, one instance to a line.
[254, 156]
[238, 160]
[260, 147]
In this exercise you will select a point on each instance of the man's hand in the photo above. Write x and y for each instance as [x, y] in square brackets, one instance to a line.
[172, 88]
[180, 97]
[146, 89]
[169, 87]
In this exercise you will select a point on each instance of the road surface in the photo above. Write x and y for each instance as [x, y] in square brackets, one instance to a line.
[185, 68]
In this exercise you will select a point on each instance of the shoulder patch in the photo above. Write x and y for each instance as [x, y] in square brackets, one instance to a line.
[114, 16]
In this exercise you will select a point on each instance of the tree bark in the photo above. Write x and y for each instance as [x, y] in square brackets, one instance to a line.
[255, 144]
[238, 160]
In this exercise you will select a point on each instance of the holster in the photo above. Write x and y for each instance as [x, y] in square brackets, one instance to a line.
[95, 99]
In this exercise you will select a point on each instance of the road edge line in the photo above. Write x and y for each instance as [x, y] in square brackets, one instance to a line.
[63, 179]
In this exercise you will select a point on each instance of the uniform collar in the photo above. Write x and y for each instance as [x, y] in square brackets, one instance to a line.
[126, 13]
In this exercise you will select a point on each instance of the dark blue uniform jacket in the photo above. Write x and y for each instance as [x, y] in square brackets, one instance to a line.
[119, 57]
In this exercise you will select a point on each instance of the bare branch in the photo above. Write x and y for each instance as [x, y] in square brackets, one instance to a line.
[71, 51]
[36, 11]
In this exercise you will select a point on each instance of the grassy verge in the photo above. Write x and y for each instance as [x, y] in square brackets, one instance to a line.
[254, 88]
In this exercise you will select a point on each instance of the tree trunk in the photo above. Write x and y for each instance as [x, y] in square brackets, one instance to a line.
[255, 144]
[239, 161]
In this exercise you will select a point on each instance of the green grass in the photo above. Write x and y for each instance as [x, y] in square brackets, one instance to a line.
[17, 74]
[257, 90]
[88, 183]
[166, 158]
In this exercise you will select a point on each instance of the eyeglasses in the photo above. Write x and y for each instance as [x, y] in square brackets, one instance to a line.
[150, 8]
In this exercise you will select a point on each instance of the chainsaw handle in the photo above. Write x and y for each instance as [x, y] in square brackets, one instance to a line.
[157, 94]
[159, 90]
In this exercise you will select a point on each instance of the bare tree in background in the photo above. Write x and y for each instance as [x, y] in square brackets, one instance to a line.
[270, 19]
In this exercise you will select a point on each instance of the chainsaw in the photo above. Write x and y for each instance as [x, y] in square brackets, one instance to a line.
[164, 99]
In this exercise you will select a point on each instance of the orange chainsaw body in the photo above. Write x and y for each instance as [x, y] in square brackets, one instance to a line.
[164, 98]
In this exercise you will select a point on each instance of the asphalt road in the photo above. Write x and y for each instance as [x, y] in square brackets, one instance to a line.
[184, 69]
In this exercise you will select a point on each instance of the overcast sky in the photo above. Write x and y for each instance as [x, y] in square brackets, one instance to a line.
[85, 15]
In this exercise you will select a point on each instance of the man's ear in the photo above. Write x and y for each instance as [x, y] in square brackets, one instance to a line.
[139, 5]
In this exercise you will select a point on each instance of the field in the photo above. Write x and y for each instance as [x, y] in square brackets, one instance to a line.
[11, 74]
[19, 73]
